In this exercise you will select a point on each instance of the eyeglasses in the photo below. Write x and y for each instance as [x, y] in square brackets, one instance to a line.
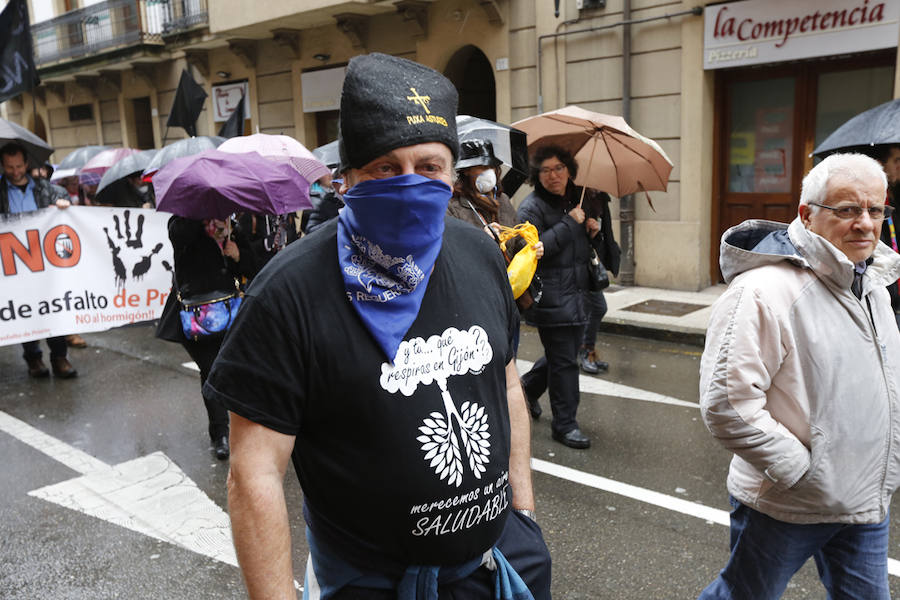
[853, 211]
[558, 169]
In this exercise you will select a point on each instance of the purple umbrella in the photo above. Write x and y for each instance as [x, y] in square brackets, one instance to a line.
[214, 184]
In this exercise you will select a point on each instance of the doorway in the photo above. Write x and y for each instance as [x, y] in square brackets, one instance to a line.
[143, 123]
[768, 122]
[472, 74]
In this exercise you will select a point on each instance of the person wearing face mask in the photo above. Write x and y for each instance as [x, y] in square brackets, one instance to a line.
[209, 256]
[373, 355]
[476, 199]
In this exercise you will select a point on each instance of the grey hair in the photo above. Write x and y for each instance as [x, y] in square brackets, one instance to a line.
[854, 167]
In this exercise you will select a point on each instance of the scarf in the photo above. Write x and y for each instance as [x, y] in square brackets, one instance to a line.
[389, 236]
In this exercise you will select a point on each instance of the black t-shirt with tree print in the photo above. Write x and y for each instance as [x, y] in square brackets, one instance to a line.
[400, 464]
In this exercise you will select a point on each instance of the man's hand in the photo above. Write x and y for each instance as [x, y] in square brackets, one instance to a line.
[62, 203]
[539, 250]
[577, 213]
[259, 519]
[231, 251]
[592, 226]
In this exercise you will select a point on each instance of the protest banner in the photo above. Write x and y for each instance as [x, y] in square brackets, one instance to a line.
[81, 269]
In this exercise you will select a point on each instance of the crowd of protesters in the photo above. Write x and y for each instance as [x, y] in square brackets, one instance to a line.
[774, 386]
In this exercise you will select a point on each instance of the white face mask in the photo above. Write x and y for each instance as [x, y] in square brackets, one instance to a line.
[143, 189]
[486, 182]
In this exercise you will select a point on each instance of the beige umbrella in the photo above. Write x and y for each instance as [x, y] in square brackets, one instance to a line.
[612, 157]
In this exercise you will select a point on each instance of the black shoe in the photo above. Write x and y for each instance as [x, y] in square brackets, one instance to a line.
[586, 364]
[220, 445]
[573, 439]
[590, 364]
[534, 406]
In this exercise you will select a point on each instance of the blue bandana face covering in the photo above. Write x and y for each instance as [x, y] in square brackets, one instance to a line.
[389, 236]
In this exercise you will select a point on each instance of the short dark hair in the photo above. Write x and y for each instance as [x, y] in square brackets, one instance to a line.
[11, 149]
[882, 153]
[542, 154]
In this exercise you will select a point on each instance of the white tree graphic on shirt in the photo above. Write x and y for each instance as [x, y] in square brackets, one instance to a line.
[446, 436]
[441, 443]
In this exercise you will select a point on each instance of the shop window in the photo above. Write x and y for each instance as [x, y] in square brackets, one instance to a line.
[769, 120]
[761, 141]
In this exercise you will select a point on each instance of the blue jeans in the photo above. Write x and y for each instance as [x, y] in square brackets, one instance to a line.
[765, 554]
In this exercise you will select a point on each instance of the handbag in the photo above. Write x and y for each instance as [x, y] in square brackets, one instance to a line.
[209, 315]
[598, 278]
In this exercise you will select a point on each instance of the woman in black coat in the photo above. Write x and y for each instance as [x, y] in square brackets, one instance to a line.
[554, 208]
[207, 258]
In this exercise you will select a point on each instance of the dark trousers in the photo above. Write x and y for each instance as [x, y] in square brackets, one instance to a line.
[558, 370]
[598, 311]
[57, 347]
[204, 354]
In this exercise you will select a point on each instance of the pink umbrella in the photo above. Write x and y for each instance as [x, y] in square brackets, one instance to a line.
[278, 148]
[94, 169]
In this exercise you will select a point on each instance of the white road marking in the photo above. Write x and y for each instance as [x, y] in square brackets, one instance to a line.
[150, 495]
[693, 509]
[191, 365]
[596, 385]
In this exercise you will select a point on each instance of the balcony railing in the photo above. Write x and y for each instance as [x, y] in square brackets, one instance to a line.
[114, 24]
[181, 15]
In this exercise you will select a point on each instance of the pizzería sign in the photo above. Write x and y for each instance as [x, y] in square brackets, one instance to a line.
[767, 31]
[81, 269]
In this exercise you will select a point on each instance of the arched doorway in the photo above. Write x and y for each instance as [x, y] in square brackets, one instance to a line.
[472, 74]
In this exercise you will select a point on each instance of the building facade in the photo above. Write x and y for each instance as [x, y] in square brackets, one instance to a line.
[737, 93]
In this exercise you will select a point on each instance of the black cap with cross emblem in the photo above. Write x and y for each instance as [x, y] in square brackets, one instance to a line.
[389, 102]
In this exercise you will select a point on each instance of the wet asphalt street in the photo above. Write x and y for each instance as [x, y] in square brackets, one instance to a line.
[135, 398]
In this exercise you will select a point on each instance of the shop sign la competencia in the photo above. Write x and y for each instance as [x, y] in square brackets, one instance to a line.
[768, 31]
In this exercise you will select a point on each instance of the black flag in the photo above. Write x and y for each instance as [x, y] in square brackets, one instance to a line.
[234, 126]
[187, 105]
[17, 71]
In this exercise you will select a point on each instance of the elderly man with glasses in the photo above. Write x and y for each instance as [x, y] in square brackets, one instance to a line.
[800, 380]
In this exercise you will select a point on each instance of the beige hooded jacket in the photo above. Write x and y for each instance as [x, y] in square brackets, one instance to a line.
[801, 380]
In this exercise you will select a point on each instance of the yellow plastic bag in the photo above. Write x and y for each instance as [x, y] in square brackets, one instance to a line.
[521, 268]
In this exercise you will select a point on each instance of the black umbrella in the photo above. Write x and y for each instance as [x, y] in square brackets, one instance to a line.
[877, 126]
[328, 154]
[510, 146]
[36, 148]
[131, 164]
[187, 147]
[76, 159]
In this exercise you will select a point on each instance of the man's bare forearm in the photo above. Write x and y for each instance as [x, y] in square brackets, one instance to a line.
[520, 441]
[256, 504]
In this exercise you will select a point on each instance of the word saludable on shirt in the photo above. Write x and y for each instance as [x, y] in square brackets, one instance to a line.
[464, 511]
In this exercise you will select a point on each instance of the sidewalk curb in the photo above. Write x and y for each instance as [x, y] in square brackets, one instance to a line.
[654, 333]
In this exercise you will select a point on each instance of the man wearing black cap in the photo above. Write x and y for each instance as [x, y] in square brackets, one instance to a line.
[374, 357]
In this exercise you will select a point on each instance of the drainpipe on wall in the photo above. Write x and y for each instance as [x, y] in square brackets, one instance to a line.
[626, 203]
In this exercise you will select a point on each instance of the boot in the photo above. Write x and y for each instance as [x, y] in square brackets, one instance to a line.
[221, 448]
[62, 368]
[37, 368]
[75, 341]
